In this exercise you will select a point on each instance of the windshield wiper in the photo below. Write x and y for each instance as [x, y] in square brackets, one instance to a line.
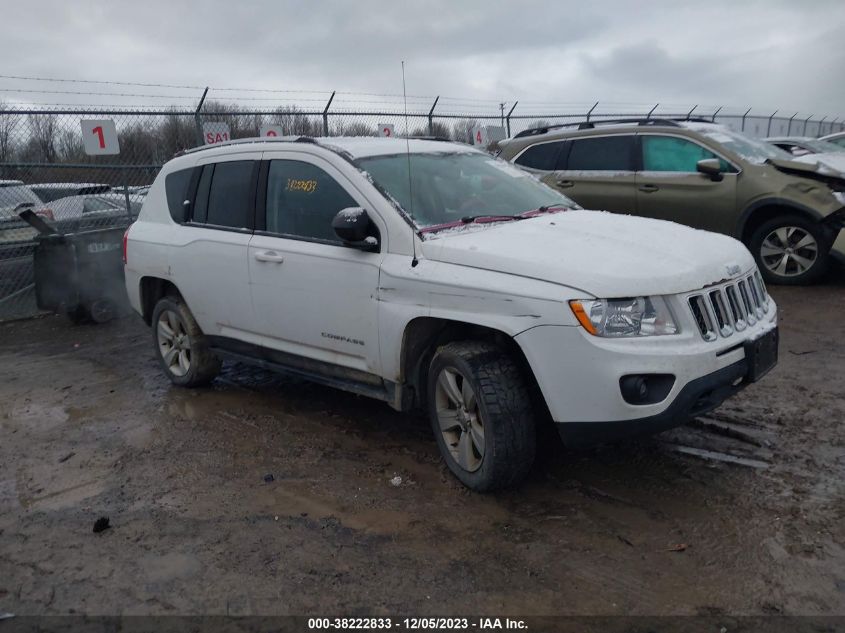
[469, 219]
[551, 208]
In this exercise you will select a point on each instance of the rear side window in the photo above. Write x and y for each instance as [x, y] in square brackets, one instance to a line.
[226, 194]
[668, 153]
[606, 153]
[542, 156]
[176, 190]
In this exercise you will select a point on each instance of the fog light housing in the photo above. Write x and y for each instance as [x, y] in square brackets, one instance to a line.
[639, 389]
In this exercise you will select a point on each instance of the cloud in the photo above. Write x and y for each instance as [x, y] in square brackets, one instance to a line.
[766, 54]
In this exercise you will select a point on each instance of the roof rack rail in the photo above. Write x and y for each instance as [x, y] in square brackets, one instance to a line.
[588, 125]
[252, 139]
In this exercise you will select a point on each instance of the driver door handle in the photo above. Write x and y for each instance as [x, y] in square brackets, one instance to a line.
[649, 188]
[270, 256]
[565, 184]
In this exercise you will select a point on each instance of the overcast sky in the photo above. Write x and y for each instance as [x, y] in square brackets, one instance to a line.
[767, 53]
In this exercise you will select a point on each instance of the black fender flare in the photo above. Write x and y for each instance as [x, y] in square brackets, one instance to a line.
[773, 202]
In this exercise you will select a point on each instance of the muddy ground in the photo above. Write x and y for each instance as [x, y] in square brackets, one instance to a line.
[90, 427]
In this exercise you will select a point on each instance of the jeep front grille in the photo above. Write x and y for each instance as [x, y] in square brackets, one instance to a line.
[728, 308]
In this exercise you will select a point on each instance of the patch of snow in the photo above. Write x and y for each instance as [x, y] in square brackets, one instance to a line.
[832, 164]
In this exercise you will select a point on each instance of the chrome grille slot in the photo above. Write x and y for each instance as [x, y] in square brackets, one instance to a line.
[721, 312]
[702, 318]
[735, 304]
[747, 304]
[729, 307]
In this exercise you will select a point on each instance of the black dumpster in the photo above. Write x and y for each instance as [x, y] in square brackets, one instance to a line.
[80, 274]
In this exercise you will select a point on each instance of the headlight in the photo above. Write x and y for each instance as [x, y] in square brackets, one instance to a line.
[635, 316]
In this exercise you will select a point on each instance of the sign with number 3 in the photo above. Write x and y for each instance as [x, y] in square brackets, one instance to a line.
[99, 136]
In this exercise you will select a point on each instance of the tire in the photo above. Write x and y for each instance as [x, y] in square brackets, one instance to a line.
[180, 345]
[491, 443]
[775, 246]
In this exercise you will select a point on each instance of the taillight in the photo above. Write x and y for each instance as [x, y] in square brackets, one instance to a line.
[125, 236]
[45, 213]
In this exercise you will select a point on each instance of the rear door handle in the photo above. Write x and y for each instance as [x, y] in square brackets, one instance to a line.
[649, 188]
[270, 256]
[565, 184]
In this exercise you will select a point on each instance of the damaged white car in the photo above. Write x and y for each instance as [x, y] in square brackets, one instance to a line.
[428, 274]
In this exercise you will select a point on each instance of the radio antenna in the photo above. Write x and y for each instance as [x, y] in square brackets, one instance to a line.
[414, 260]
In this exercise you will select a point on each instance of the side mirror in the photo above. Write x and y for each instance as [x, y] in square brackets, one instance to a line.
[354, 227]
[710, 167]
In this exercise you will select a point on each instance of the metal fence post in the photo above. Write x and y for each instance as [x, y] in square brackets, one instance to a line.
[789, 127]
[508, 117]
[804, 133]
[431, 116]
[689, 114]
[743, 119]
[198, 118]
[648, 116]
[326, 116]
[821, 124]
[126, 193]
[719, 109]
[591, 110]
[835, 119]
[769, 127]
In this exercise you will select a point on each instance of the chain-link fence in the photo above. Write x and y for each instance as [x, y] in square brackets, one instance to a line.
[77, 176]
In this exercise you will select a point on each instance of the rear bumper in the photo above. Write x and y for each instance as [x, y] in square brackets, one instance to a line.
[697, 397]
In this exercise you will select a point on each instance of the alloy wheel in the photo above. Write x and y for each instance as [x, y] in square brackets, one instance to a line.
[789, 251]
[174, 344]
[460, 418]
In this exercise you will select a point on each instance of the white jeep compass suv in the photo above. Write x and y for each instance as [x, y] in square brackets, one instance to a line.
[426, 273]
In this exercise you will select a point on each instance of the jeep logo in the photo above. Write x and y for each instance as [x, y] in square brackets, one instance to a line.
[733, 269]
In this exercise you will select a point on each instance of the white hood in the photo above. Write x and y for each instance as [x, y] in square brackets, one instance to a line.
[605, 254]
[832, 163]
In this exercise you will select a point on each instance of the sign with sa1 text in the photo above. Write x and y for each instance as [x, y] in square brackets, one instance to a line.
[385, 129]
[99, 137]
[271, 131]
[215, 132]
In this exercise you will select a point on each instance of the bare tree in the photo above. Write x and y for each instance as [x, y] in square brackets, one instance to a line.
[295, 123]
[462, 130]
[43, 138]
[7, 126]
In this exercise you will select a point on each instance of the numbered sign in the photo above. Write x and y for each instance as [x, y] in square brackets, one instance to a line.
[271, 130]
[480, 136]
[215, 132]
[99, 136]
[385, 129]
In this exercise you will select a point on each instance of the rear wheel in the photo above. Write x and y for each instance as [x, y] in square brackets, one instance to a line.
[481, 414]
[791, 250]
[180, 345]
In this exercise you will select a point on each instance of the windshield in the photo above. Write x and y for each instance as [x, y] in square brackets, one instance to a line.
[823, 147]
[751, 149]
[450, 186]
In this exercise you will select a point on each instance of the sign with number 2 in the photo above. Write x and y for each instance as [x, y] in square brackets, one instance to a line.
[99, 137]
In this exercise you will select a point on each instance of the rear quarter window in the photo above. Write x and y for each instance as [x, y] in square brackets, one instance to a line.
[176, 191]
[542, 156]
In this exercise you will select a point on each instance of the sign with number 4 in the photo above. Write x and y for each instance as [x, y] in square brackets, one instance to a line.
[99, 136]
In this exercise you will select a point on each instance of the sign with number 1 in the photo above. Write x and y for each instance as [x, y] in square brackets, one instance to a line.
[99, 137]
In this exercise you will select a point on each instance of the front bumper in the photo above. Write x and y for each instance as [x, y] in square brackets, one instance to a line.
[697, 397]
[579, 376]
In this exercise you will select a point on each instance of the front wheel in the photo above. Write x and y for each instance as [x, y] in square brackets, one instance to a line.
[791, 250]
[481, 413]
[180, 345]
